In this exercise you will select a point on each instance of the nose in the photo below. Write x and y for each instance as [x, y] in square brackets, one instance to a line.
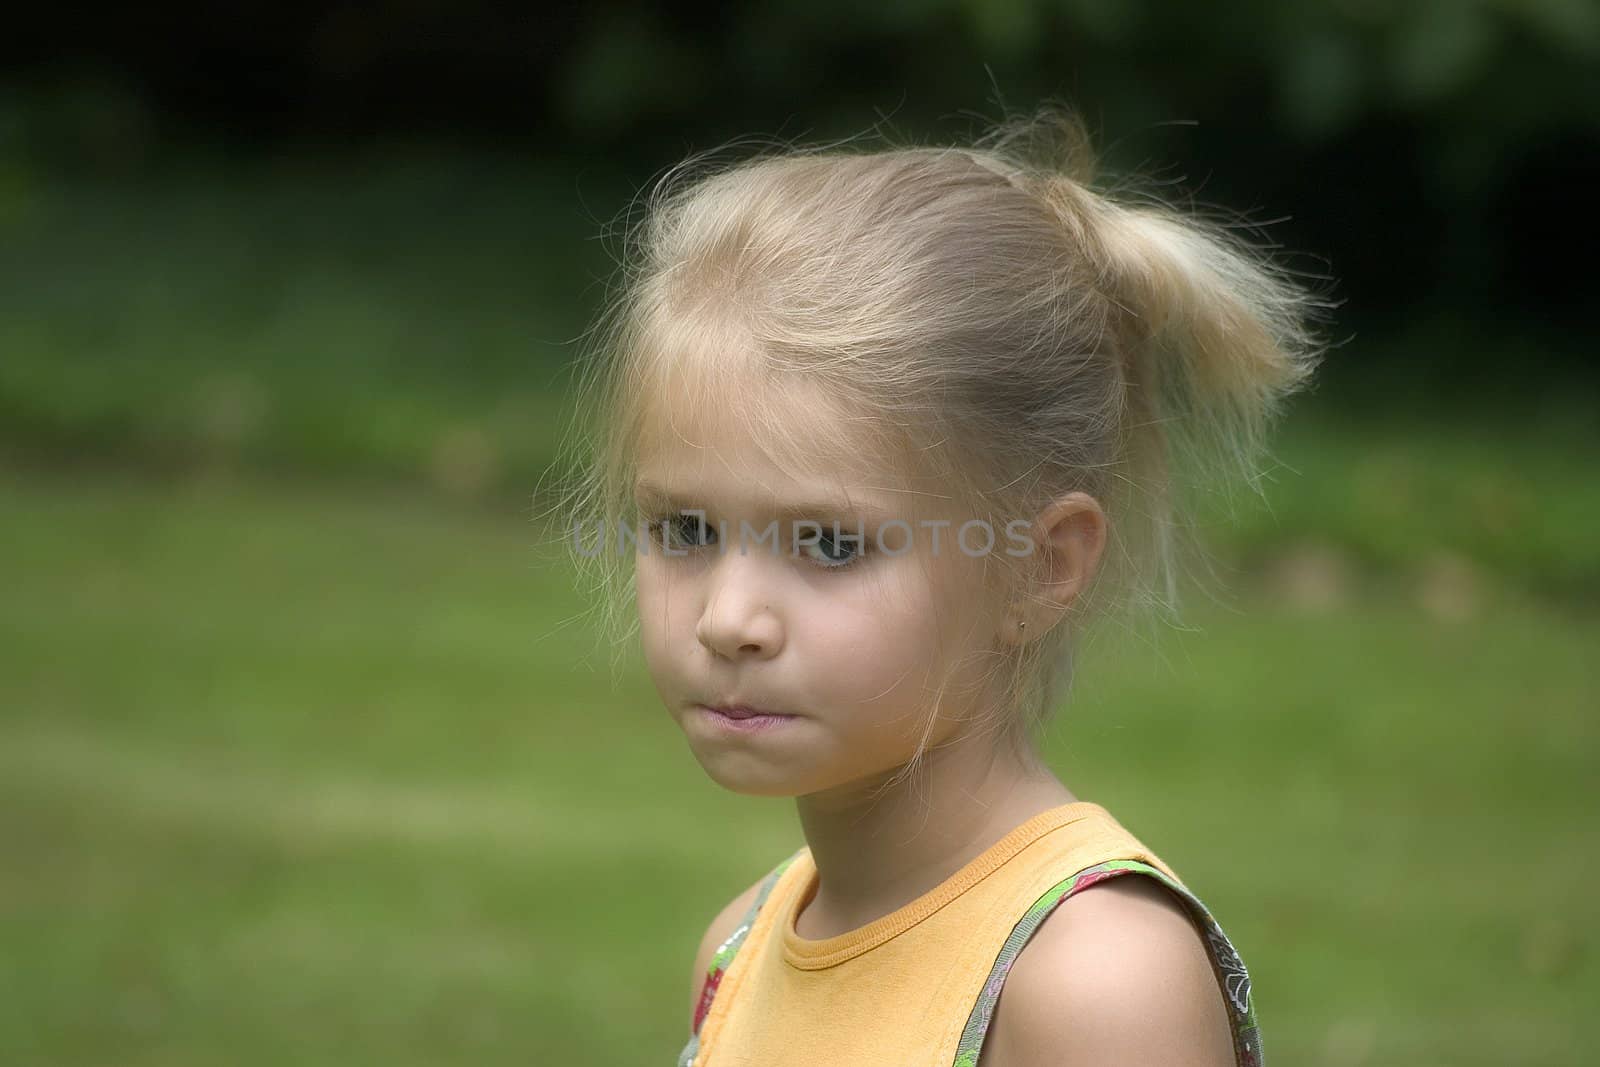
[738, 620]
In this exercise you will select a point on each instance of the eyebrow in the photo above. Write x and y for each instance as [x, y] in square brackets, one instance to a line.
[649, 492]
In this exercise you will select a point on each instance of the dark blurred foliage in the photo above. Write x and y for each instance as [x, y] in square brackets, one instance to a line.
[1435, 157]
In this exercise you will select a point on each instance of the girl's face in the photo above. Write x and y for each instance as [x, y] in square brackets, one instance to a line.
[850, 642]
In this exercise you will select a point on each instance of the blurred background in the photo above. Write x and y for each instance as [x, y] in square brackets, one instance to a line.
[306, 752]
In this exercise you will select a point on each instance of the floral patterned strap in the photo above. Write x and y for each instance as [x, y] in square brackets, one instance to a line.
[724, 956]
[1225, 962]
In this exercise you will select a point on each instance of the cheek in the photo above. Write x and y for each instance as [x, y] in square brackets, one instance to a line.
[659, 615]
[879, 643]
[875, 664]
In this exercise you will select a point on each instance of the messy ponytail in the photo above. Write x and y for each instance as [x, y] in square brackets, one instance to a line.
[988, 316]
[1212, 336]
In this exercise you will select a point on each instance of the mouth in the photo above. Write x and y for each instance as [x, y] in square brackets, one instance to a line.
[744, 711]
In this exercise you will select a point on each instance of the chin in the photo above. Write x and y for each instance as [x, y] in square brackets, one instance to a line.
[739, 776]
[776, 792]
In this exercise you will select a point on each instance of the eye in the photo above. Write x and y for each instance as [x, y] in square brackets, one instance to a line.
[681, 531]
[832, 553]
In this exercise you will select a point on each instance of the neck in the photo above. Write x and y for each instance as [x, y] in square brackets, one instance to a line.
[878, 847]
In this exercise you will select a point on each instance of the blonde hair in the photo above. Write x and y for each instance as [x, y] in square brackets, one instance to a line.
[979, 313]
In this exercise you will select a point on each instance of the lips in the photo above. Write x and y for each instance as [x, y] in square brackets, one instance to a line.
[743, 711]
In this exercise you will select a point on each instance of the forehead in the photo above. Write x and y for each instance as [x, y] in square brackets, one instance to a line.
[769, 443]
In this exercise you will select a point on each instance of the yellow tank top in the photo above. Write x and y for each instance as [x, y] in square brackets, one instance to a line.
[917, 987]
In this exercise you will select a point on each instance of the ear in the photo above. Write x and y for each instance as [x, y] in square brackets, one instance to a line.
[1068, 538]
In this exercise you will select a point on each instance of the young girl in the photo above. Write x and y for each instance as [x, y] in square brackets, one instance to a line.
[879, 434]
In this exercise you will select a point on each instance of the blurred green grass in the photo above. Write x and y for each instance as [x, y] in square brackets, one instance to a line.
[307, 751]
[291, 771]
[396, 315]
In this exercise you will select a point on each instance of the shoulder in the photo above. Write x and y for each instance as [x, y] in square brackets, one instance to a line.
[718, 931]
[1117, 973]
